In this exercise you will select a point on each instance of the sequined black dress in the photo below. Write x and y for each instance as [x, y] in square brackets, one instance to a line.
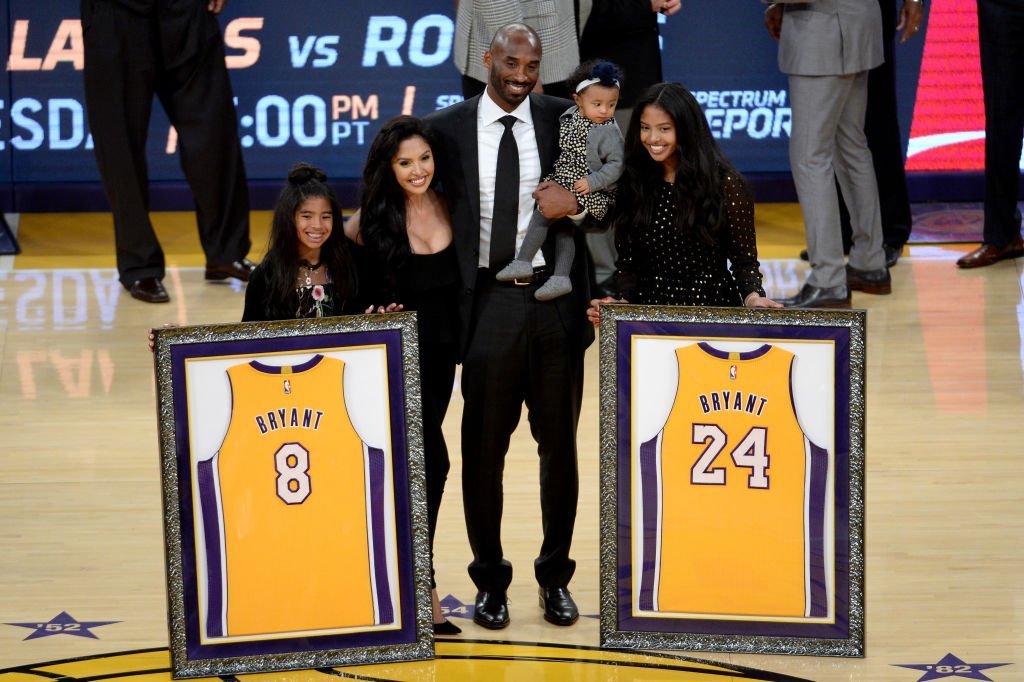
[659, 265]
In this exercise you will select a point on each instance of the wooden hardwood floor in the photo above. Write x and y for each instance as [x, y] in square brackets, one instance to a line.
[80, 517]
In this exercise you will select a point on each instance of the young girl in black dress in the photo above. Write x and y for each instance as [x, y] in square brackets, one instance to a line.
[404, 224]
[309, 270]
[683, 217]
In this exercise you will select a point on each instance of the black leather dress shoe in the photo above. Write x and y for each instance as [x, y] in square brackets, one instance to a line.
[239, 269]
[987, 254]
[150, 290]
[811, 296]
[869, 281]
[892, 254]
[491, 610]
[559, 607]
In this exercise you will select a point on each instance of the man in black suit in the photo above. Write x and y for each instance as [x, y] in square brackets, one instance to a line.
[173, 48]
[624, 32]
[1001, 40]
[515, 349]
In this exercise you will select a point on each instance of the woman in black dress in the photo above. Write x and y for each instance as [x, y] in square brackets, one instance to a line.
[404, 223]
[683, 217]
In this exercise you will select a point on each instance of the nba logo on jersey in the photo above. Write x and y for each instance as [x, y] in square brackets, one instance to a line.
[287, 387]
[732, 372]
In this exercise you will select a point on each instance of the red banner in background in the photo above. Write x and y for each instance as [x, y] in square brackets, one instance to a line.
[948, 130]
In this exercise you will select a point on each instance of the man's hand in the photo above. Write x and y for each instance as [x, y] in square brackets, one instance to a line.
[555, 201]
[773, 21]
[215, 6]
[911, 19]
[666, 7]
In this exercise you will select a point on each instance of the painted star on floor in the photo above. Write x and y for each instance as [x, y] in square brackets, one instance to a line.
[951, 666]
[453, 607]
[63, 624]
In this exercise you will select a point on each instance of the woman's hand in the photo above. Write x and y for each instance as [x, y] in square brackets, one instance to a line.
[594, 311]
[756, 300]
[389, 308]
[152, 336]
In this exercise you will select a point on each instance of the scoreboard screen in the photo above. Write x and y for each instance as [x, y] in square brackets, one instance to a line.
[316, 85]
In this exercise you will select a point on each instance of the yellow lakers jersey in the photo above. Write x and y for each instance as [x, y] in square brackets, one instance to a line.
[292, 499]
[742, 493]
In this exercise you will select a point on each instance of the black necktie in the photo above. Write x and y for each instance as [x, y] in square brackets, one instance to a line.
[505, 219]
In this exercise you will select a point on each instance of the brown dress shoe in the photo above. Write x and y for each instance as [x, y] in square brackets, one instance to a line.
[811, 296]
[239, 269]
[150, 290]
[987, 254]
[869, 281]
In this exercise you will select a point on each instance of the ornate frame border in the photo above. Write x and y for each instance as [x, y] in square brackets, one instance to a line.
[849, 330]
[413, 640]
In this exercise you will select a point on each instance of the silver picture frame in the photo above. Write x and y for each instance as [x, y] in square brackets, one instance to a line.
[671, 545]
[373, 360]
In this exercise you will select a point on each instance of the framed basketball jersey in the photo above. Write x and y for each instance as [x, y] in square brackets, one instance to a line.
[733, 461]
[292, 460]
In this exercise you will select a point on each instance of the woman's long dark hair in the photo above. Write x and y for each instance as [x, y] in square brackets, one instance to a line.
[281, 263]
[382, 200]
[700, 172]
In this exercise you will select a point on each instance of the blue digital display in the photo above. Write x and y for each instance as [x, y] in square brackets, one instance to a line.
[315, 80]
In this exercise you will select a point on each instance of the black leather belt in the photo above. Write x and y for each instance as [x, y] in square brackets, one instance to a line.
[540, 275]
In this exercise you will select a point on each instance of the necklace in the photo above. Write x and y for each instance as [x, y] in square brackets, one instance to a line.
[306, 270]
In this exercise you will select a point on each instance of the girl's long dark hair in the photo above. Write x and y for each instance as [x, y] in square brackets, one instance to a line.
[281, 263]
[700, 170]
[382, 200]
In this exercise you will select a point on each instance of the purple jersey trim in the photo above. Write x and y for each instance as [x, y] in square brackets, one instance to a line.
[724, 354]
[294, 369]
[649, 497]
[817, 510]
[384, 609]
[211, 541]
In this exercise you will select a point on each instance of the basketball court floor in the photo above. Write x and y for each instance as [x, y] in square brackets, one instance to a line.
[82, 585]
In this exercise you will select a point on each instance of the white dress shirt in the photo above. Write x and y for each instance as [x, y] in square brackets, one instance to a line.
[489, 130]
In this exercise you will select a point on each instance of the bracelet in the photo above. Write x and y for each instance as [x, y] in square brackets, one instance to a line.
[746, 301]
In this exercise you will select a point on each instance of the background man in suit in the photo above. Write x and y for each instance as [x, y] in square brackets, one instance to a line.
[554, 21]
[882, 128]
[1001, 39]
[173, 48]
[827, 48]
[624, 32]
[515, 349]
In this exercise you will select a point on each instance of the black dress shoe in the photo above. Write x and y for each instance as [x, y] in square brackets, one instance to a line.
[239, 269]
[811, 296]
[559, 608]
[869, 281]
[892, 254]
[491, 610]
[446, 627]
[150, 290]
[987, 254]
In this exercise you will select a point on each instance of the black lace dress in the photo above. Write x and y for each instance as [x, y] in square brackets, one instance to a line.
[660, 265]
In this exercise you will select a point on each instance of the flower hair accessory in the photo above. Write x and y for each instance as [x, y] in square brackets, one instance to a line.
[605, 73]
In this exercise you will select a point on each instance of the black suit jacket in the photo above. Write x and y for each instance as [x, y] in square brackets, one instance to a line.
[454, 129]
[625, 32]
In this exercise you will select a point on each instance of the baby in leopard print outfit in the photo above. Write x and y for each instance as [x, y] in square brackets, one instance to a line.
[589, 164]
